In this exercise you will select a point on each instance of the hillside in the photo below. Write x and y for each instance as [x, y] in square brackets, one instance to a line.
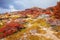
[31, 24]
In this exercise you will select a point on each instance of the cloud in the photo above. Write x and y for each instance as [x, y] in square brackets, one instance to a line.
[37, 3]
[12, 8]
[2, 10]
[58, 0]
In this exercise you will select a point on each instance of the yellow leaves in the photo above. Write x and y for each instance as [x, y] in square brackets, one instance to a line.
[57, 34]
[14, 16]
[56, 28]
[32, 37]
[38, 22]
[44, 24]
[30, 20]
[41, 22]
[1, 24]
[44, 38]
[41, 31]
[35, 24]
[53, 17]
[15, 36]
[30, 16]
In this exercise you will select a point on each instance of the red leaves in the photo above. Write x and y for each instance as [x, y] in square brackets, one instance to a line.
[57, 15]
[10, 28]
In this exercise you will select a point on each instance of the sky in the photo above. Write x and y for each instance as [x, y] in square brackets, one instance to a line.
[15, 5]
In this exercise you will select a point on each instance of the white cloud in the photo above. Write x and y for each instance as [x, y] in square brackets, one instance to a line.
[38, 3]
[58, 0]
[2, 10]
[12, 8]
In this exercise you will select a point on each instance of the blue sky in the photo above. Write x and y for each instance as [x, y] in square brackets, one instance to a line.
[14, 5]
